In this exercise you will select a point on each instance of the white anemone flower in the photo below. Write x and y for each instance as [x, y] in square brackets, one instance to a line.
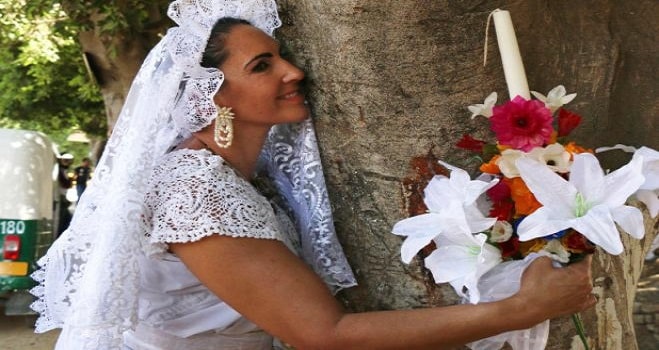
[554, 156]
[452, 208]
[506, 162]
[461, 259]
[556, 98]
[484, 109]
[591, 202]
[501, 231]
[556, 251]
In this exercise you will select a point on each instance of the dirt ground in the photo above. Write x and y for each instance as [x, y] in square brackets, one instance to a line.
[16, 332]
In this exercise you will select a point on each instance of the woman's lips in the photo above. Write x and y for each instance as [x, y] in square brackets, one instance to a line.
[293, 96]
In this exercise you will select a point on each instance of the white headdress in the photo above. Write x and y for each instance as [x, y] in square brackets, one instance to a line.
[90, 276]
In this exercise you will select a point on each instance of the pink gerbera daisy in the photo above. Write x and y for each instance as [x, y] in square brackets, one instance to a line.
[522, 124]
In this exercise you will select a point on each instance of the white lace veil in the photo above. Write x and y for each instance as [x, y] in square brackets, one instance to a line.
[90, 276]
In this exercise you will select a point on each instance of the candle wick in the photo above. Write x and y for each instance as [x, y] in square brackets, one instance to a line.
[487, 35]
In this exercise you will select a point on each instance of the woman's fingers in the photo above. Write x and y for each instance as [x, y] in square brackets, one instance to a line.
[558, 291]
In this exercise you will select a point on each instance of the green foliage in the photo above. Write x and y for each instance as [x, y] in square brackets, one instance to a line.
[42, 74]
[43, 77]
[110, 18]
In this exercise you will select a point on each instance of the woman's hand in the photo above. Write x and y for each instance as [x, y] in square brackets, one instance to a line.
[552, 292]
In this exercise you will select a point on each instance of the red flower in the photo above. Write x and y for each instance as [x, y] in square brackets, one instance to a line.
[509, 248]
[567, 121]
[499, 192]
[575, 242]
[502, 210]
[522, 124]
[502, 204]
[469, 143]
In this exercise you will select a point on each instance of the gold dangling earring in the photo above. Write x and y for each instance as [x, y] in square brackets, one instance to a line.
[224, 127]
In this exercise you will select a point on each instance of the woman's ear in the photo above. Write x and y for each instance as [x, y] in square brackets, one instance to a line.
[220, 98]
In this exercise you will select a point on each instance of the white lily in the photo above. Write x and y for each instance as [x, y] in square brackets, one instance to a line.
[649, 191]
[452, 208]
[556, 98]
[651, 200]
[591, 202]
[484, 109]
[461, 259]
[624, 148]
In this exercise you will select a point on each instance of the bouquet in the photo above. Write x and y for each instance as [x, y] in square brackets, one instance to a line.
[538, 193]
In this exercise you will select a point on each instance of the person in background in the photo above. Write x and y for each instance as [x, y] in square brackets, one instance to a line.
[82, 174]
[65, 182]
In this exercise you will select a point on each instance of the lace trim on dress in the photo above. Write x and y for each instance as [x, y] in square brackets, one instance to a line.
[193, 194]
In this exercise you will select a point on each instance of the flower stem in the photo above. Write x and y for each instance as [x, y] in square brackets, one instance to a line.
[576, 319]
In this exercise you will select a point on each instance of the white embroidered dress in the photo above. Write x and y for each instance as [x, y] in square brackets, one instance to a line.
[194, 194]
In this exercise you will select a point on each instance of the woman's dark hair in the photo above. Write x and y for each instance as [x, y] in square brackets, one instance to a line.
[215, 53]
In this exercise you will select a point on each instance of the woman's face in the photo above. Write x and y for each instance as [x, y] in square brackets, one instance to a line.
[260, 86]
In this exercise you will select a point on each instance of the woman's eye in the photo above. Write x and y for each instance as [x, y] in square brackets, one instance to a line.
[261, 66]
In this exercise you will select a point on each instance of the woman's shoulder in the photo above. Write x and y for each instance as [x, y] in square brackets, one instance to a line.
[196, 167]
[201, 177]
[189, 159]
[193, 194]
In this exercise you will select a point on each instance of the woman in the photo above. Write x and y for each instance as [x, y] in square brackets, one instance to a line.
[196, 257]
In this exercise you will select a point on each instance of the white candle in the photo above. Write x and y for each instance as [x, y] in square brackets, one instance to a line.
[513, 68]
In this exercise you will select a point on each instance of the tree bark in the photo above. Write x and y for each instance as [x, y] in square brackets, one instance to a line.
[389, 83]
[113, 72]
[615, 281]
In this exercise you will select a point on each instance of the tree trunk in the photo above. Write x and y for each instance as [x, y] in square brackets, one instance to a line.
[113, 72]
[390, 81]
[113, 59]
[615, 280]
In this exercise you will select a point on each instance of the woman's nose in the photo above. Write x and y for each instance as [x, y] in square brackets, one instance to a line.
[292, 73]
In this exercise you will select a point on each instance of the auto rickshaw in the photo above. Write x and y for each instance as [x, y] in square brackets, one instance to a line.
[28, 202]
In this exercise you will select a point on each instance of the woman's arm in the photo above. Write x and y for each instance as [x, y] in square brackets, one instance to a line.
[273, 288]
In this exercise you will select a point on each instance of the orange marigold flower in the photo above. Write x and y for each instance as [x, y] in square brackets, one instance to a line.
[525, 202]
[491, 167]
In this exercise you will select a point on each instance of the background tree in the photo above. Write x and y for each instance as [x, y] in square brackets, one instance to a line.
[42, 76]
[389, 82]
[115, 38]
[67, 65]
